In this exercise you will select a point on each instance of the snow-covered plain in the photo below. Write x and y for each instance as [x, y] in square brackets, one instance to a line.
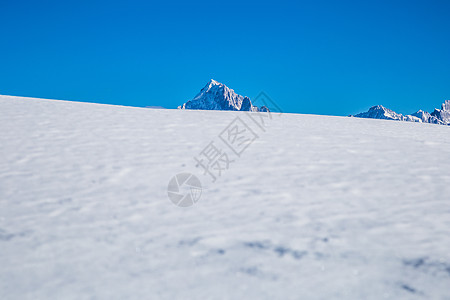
[317, 207]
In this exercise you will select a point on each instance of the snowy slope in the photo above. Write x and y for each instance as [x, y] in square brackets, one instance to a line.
[316, 207]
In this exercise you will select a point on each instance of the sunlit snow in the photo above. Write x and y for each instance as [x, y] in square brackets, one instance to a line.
[316, 207]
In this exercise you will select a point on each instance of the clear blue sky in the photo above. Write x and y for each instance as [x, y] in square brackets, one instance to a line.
[321, 57]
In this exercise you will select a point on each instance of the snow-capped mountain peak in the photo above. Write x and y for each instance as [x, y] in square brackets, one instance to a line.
[217, 96]
[380, 112]
[210, 85]
[213, 82]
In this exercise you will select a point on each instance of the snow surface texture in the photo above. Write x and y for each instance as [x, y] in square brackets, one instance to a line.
[217, 96]
[438, 116]
[316, 207]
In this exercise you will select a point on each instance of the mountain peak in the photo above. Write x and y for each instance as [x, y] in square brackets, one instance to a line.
[380, 112]
[213, 82]
[217, 96]
[378, 107]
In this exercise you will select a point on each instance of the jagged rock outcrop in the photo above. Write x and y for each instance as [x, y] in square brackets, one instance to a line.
[443, 114]
[426, 117]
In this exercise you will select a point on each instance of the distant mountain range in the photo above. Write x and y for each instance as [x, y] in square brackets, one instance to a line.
[438, 116]
[217, 96]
